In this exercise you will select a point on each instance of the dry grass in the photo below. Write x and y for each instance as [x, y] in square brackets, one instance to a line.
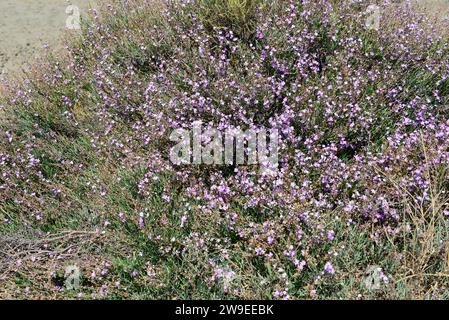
[424, 247]
[38, 258]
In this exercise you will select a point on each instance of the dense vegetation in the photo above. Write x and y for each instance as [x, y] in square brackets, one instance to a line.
[362, 183]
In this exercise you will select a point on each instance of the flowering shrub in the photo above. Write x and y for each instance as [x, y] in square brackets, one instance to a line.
[363, 170]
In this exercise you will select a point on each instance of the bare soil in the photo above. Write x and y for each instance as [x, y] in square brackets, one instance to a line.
[26, 26]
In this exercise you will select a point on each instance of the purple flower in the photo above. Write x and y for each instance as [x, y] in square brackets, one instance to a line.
[328, 268]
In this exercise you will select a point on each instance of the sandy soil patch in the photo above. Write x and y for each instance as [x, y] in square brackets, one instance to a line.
[26, 26]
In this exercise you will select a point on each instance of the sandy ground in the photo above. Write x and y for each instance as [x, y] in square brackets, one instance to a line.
[26, 26]
[439, 7]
